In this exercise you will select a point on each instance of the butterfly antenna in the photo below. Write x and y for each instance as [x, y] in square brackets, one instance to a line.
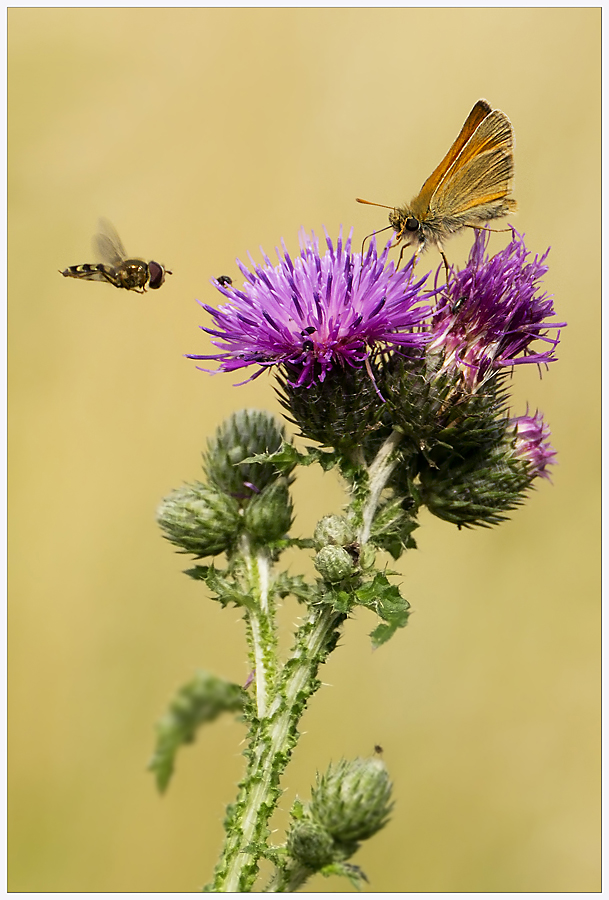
[372, 233]
[386, 228]
[370, 203]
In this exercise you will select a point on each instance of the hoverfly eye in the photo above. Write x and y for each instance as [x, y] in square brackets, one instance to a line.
[157, 275]
[412, 224]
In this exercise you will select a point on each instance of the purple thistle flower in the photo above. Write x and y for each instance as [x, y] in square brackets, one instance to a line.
[494, 311]
[532, 445]
[316, 312]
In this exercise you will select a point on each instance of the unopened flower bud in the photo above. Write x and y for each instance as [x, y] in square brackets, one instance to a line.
[352, 799]
[268, 515]
[334, 563]
[310, 844]
[531, 444]
[480, 486]
[333, 530]
[246, 433]
[199, 519]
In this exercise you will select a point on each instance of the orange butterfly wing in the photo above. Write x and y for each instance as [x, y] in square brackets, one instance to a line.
[482, 174]
[479, 113]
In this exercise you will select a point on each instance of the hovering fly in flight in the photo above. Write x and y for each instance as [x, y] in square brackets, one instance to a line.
[115, 267]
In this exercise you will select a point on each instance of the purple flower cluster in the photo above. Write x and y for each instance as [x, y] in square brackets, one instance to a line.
[317, 312]
[532, 445]
[494, 311]
[324, 314]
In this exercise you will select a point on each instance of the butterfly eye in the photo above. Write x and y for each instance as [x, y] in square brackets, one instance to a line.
[412, 224]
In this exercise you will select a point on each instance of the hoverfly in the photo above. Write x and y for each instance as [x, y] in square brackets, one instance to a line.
[115, 267]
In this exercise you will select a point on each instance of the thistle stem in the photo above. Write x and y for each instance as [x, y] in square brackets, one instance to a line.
[288, 880]
[262, 630]
[378, 475]
[272, 740]
[282, 693]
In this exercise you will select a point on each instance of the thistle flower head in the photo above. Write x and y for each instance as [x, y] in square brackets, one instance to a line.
[532, 445]
[316, 312]
[494, 312]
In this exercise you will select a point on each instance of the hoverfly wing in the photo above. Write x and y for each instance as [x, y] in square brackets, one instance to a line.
[108, 245]
[478, 114]
[479, 180]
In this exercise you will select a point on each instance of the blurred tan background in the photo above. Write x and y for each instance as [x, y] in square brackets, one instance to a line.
[204, 134]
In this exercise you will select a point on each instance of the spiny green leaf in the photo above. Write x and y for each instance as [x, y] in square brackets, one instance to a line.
[385, 599]
[198, 573]
[296, 586]
[341, 601]
[392, 528]
[297, 811]
[287, 457]
[327, 459]
[224, 588]
[355, 875]
[284, 459]
[200, 701]
[301, 543]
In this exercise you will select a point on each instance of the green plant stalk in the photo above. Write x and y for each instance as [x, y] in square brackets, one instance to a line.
[378, 474]
[271, 741]
[288, 880]
[260, 622]
[281, 697]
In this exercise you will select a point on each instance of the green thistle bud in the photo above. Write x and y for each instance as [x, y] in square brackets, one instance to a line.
[333, 530]
[199, 519]
[268, 516]
[310, 844]
[246, 433]
[476, 490]
[352, 799]
[334, 563]
[465, 470]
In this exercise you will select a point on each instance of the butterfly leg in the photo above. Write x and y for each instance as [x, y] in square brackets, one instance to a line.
[446, 266]
[415, 255]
